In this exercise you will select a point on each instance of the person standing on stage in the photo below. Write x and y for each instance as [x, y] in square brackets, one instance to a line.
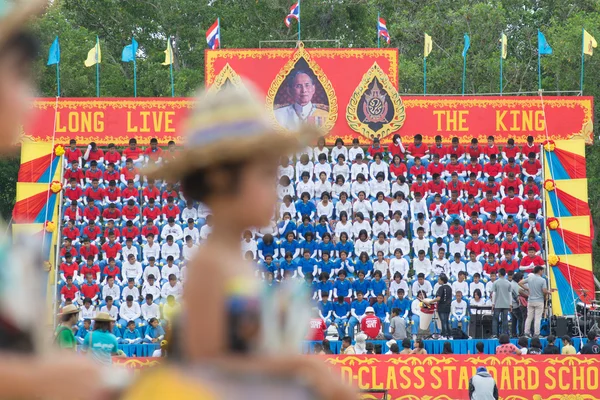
[538, 290]
[443, 298]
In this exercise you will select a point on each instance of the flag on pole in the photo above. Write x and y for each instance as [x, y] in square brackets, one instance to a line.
[543, 46]
[504, 44]
[168, 54]
[382, 30]
[294, 13]
[213, 35]
[589, 43]
[54, 53]
[129, 51]
[94, 55]
[467, 45]
[428, 45]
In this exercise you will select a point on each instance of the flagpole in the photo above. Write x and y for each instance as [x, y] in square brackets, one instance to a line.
[424, 75]
[298, 20]
[219, 25]
[57, 79]
[501, 54]
[378, 30]
[134, 68]
[464, 73]
[539, 64]
[97, 67]
[582, 58]
[171, 66]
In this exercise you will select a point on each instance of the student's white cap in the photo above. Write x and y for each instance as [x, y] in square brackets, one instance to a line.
[369, 309]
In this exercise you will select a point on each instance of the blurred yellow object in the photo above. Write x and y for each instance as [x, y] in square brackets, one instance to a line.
[56, 186]
[553, 259]
[166, 383]
[549, 145]
[549, 185]
[50, 226]
[553, 223]
[59, 151]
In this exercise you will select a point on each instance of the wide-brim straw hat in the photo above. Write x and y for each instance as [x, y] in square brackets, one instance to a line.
[70, 309]
[103, 317]
[229, 125]
[15, 13]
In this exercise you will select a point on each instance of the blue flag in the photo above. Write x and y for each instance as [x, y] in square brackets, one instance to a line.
[54, 53]
[129, 51]
[543, 46]
[467, 45]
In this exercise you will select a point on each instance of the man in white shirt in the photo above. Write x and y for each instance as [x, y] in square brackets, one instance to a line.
[150, 309]
[130, 290]
[418, 206]
[191, 230]
[189, 212]
[305, 186]
[381, 206]
[380, 186]
[420, 243]
[170, 249]
[129, 249]
[172, 288]
[172, 229]
[422, 264]
[439, 228]
[461, 284]
[421, 284]
[457, 246]
[151, 286]
[301, 88]
[112, 290]
[206, 229]
[132, 269]
[440, 264]
[150, 249]
[360, 224]
[110, 308]
[129, 311]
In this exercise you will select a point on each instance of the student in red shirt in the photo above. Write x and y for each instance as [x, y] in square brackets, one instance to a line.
[455, 185]
[416, 169]
[110, 227]
[130, 192]
[474, 167]
[91, 212]
[453, 207]
[111, 174]
[153, 153]
[395, 148]
[455, 166]
[129, 172]
[149, 230]
[112, 194]
[476, 246]
[111, 249]
[491, 246]
[417, 149]
[95, 192]
[510, 226]
[492, 226]
[68, 268]
[491, 149]
[111, 213]
[111, 270]
[88, 249]
[491, 185]
[531, 243]
[370, 324]
[474, 150]
[473, 187]
[92, 232]
[112, 156]
[531, 147]
[532, 205]
[67, 247]
[456, 229]
[419, 187]
[89, 289]
[130, 231]
[69, 291]
[151, 192]
[457, 149]
[151, 211]
[532, 167]
[93, 153]
[437, 186]
[398, 168]
[437, 208]
[90, 267]
[509, 263]
[133, 152]
[531, 186]
[71, 232]
[73, 212]
[532, 226]
[74, 172]
[511, 181]
[316, 327]
[171, 152]
[512, 205]
[474, 224]
[170, 192]
[73, 192]
[438, 149]
[491, 267]
[531, 260]
[131, 212]
[510, 150]
[511, 166]
[492, 168]
[93, 173]
[170, 210]
[72, 153]
[469, 208]
[375, 148]
[509, 244]
[435, 167]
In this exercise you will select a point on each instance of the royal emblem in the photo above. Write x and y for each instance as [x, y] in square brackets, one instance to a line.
[375, 106]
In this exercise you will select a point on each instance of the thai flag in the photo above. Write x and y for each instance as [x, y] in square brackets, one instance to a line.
[294, 13]
[213, 36]
[382, 30]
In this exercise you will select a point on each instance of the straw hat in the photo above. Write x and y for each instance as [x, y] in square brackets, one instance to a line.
[103, 317]
[70, 309]
[14, 14]
[228, 125]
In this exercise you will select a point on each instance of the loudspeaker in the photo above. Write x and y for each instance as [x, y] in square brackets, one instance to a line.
[480, 326]
[562, 327]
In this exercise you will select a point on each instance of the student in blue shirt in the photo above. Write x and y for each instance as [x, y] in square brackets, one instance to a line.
[364, 264]
[305, 207]
[154, 333]
[357, 310]
[307, 264]
[322, 228]
[288, 266]
[360, 284]
[324, 285]
[325, 308]
[268, 265]
[400, 302]
[83, 330]
[305, 227]
[345, 264]
[341, 313]
[286, 226]
[326, 265]
[310, 245]
[289, 245]
[342, 286]
[326, 246]
[344, 245]
[131, 335]
[267, 247]
[378, 285]
[381, 312]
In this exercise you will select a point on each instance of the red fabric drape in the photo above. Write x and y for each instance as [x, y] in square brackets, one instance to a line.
[579, 279]
[575, 206]
[573, 163]
[578, 243]
[32, 170]
[27, 210]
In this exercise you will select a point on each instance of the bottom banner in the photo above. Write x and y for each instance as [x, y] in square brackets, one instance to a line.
[136, 363]
[447, 377]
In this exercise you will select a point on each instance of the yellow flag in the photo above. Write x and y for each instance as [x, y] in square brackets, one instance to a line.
[504, 44]
[428, 45]
[168, 54]
[94, 56]
[589, 43]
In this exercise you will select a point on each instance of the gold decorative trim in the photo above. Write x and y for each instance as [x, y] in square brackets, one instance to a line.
[226, 74]
[132, 104]
[352, 118]
[279, 79]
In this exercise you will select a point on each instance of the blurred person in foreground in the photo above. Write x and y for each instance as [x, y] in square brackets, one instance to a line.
[24, 374]
[239, 347]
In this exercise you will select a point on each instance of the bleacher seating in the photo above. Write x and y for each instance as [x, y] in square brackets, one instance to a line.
[406, 209]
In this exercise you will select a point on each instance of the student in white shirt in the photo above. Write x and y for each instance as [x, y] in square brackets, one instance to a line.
[420, 243]
[422, 264]
[401, 186]
[398, 264]
[402, 243]
[343, 226]
[440, 264]
[381, 264]
[320, 149]
[418, 206]
[170, 249]
[341, 168]
[363, 244]
[132, 269]
[322, 185]
[189, 212]
[287, 206]
[359, 168]
[457, 246]
[249, 244]
[129, 311]
[305, 185]
[206, 229]
[88, 311]
[130, 290]
[322, 166]
[381, 206]
[400, 204]
[338, 149]
[421, 284]
[344, 205]
[459, 313]
[439, 228]
[189, 248]
[361, 224]
[360, 185]
[191, 231]
[474, 265]
[340, 186]
[461, 284]
[325, 207]
[304, 165]
[152, 287]
[285, 169]
[355, 150]
[129, 249]
[476, 285]
[457, 266]
[378, 166]
[397, 223]
[172, 229]
[381, 245]
[170, 268]
[111, 289]
[380, 226]
[380, 185]
[110, 308]
[420, 222]
[150, 249]
[437, 245]
[172, 288]
[362, 205]
[285, 188]
[150, 309]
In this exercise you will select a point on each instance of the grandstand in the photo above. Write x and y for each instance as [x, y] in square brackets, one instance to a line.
[401, 210]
